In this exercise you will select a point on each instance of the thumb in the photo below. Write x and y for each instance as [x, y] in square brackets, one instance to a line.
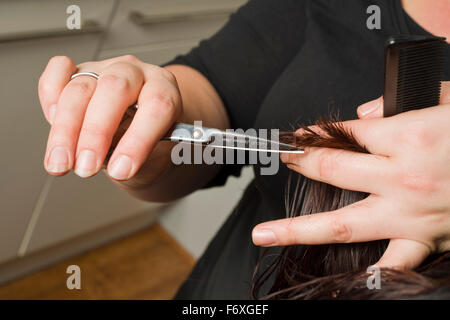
[403, 254]
[371, 109]
[374, 108]
[445, 92]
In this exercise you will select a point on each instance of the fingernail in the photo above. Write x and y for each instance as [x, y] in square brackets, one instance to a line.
[369, 107]
[58, 161]
[51, 112]
[284, 157]
[263, 237]
[86, 164]
[120, 168]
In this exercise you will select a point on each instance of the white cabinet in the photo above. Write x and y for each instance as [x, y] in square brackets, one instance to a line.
[154, 54]
[140, 22]
[31, 19]
[23, 129]
[75, 206]
[37, 211]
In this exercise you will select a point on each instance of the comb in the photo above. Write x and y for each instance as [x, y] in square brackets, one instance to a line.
[414, 67]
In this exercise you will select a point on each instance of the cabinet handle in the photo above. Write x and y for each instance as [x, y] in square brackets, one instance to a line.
[143, 19]
[88, 27]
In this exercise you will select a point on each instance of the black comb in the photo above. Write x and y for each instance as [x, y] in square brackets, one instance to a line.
[414, 67]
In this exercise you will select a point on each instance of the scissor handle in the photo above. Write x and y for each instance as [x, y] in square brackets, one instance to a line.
[178, 132]
[188, 133]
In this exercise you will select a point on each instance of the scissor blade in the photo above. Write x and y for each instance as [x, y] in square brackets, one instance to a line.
[284, 150]
[236, 141]
[216, 138]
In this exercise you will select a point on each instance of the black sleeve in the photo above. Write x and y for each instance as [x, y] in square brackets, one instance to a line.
[245, 57]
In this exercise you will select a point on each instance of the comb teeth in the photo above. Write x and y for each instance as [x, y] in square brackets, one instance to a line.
[414, 69]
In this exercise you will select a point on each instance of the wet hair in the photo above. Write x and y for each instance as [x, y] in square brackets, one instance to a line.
[338, 271]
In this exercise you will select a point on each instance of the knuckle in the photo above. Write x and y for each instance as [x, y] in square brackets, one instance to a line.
[164, 104]
[44, 88]
[130, 58]
[290, 235]
[94, 132]
[61, 61]
[115, 83]
[136, 141]
[79, 87]
[416, 181]
[168, 75]
[326, 164]
[61, 129]
[340, 231]
[417, 134]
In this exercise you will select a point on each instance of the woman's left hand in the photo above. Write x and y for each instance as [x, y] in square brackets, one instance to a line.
[407, 174]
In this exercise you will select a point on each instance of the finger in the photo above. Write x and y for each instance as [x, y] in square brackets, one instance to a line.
[373, 134]
[52, 82]
[377, 134]
[374, 108]
[371, 109]
[117, 88]
[63, 137]
[159, 106]
[445, 92]
[342, 168]
[403, 254]
[362, 221]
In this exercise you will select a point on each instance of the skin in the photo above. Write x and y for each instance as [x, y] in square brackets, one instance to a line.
[407, 173]
[433, 18]
[84, 114]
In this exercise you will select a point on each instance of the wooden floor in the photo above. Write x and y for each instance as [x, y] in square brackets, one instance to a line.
[147, 265]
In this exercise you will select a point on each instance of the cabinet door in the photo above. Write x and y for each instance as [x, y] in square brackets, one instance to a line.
[75, 206]
[155, 53]
[31, 19]
[23, 129]
[140, 22]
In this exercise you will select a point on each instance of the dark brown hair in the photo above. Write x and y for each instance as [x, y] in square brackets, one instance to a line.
[338, 271]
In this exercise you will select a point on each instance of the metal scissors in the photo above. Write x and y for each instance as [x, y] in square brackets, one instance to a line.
[187, 133]
[212, 137]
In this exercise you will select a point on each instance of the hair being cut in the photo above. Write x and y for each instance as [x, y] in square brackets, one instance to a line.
[338, 271]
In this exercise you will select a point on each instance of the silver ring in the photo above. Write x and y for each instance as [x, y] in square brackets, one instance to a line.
[89, 74]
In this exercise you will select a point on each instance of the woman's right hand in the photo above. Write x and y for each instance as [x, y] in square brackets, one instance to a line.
[85, 113]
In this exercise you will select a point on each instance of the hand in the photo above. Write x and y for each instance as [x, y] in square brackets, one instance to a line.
[407, 174]
[85, 114]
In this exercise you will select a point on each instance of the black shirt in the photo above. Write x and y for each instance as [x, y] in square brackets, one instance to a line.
[274, 64]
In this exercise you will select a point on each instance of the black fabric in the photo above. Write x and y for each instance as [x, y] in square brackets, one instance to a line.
[275, 64]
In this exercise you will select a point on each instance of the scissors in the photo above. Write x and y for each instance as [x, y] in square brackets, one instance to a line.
[212, 137]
